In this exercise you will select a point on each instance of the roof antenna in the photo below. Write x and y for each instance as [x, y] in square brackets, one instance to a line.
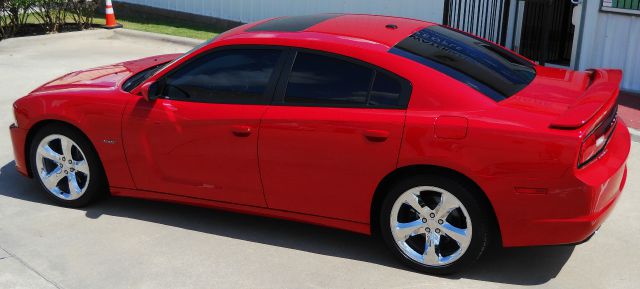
[391, 26]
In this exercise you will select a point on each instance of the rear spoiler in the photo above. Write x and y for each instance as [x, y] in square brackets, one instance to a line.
[601, 95]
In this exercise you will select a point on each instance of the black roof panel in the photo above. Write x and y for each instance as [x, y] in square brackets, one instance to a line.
[293, 23]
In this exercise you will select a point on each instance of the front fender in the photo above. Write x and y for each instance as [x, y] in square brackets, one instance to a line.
[96, 113]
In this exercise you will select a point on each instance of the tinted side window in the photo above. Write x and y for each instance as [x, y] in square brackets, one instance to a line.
[386, 91]
[323, 80]
[229, 76]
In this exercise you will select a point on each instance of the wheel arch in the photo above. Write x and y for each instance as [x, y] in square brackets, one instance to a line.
[412, 170]
[47, 122]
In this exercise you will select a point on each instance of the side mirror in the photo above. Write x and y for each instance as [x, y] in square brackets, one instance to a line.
[149, 90]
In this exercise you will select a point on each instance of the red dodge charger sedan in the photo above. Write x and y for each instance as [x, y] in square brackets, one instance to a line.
[442, 143]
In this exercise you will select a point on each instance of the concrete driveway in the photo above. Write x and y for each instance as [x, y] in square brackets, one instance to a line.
[127, 243]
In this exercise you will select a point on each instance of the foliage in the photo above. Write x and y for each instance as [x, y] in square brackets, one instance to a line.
[82, 12]
[51, 15]
[13, 15]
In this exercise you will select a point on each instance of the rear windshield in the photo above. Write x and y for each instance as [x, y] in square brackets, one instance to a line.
[486, 67]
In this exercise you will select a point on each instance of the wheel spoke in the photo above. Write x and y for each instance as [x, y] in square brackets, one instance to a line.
[447, 204]
[412, 200]
[405, 230]
[458, 234]
[50, 180]
[430, 256]
[81, 166]
[74, 187]
[46, 152]
[66, 148]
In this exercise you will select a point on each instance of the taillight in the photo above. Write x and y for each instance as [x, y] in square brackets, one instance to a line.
[594, 144]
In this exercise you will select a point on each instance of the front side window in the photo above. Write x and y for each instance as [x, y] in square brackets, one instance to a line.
[321, 80]
[228, 76]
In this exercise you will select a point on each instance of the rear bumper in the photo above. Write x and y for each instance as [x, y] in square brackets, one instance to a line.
[579, 204]
[579, 229]
[18, 139]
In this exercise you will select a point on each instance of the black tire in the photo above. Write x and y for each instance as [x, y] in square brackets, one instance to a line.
[467, 195]
[96, 186]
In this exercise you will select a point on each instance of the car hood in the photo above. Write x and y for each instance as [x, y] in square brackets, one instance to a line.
[108, 76]
[552, 92]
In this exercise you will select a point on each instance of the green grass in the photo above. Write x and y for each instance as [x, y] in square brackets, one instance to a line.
[156, 25]
[165, 26]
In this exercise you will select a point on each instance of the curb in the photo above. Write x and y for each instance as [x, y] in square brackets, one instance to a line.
[63, 35]
[108, 33]
[157, 37]
[635, 134]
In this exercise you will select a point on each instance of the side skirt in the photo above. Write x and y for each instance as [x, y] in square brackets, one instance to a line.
[361, 228]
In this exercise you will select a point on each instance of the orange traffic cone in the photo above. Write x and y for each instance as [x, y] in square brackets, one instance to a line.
[111, 18]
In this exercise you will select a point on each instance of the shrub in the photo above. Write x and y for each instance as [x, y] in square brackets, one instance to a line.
[13, 15]
[82, 12]
[51, 14]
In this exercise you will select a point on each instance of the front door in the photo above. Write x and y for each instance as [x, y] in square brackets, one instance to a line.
[200, 139]
[331, 136]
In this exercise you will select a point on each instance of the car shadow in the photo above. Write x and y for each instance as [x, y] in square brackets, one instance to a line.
[517, 266]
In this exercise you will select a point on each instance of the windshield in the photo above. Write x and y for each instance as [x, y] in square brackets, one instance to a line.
[486, 67]
[141, 76]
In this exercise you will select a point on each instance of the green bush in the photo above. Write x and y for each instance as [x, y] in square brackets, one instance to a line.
[50, 14]
[13, 15]
[82, 12]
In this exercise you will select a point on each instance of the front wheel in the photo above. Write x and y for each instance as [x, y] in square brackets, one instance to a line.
[434, 224]
[66, 165]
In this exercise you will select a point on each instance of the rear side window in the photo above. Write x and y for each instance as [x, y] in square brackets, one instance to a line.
[229, 76]
[322, 80]
[484, 66]
[386, 91]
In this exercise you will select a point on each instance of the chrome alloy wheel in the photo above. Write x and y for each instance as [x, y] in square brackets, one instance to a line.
[62, 167]
[430, 226]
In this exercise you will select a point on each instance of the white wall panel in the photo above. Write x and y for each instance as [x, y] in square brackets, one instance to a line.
[617, 45]
[612, 40]
[252, 10]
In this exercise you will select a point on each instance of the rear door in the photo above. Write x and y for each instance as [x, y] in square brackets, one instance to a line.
[332, 133]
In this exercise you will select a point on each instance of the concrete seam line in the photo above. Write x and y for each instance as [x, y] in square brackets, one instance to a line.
[30, 268]
[158, 37]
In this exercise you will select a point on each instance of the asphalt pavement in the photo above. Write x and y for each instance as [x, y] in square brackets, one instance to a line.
[128, 243]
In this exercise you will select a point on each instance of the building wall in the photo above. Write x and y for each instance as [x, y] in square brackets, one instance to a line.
[252, 10]
[611, 40]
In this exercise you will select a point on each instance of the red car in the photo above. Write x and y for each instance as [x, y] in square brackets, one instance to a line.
[441, 142]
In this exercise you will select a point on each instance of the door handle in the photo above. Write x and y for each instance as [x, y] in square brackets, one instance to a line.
[241, 130]
[376, 135]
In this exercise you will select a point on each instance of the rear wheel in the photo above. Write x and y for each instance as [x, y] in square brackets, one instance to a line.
[434, 224]
[66, 165]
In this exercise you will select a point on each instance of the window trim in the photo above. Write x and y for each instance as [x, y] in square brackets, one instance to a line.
[279, 96]
[265, 99]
